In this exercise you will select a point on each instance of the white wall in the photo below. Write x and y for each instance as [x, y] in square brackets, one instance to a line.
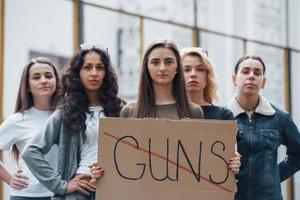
[44, 26]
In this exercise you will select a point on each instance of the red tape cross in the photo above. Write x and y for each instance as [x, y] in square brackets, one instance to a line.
[164, 158]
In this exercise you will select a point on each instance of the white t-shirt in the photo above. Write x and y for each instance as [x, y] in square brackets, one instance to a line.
[19, 129]
[89, 148]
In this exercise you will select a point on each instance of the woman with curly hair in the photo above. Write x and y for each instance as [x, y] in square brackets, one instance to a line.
[90, 93]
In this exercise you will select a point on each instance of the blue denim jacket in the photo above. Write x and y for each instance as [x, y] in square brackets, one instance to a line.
[258, 139]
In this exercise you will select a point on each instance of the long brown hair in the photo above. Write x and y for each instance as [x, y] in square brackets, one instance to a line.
[25, 98]
[146, 98]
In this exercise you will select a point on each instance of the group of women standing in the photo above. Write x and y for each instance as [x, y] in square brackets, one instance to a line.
[173, 84]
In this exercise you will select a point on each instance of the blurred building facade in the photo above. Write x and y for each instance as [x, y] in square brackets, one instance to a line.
[227, 28]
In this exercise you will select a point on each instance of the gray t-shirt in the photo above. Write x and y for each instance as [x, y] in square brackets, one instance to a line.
[168, 111]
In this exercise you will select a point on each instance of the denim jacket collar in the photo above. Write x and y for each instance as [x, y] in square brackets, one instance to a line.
[264, 107]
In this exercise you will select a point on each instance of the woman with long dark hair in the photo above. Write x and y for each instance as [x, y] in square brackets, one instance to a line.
[91, 93]
[161, 88]
[36, 100]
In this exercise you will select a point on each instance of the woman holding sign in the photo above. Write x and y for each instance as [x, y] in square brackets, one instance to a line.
[262, 128]
[161, 87]
[91, 93]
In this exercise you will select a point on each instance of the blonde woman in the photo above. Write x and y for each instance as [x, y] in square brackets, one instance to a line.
[201, 89]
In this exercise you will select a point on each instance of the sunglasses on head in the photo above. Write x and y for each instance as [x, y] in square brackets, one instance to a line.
[87, 46]
[201, 50]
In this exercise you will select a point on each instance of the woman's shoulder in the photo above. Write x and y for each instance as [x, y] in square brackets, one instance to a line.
[12, 130]
[193, 105]
[128, 110]
[227, 114]
[57, 112]
[217, 112]
[196, 111]
[281, 115]
[56, 116]
[16, 117]
[12, 120]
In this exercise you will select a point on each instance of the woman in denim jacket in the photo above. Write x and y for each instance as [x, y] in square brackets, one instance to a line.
[262, 128]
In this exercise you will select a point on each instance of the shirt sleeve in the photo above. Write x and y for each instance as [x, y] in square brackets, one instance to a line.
[291, 164]
[196, 111]
[127, 111]
[10, 132]
[227, 114]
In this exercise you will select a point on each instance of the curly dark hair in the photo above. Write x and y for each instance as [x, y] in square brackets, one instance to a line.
[76, 103]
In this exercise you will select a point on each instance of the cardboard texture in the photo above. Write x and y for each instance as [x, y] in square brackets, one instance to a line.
[165, 159]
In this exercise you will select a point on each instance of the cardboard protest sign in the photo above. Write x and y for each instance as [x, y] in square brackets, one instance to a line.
[165, 159]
